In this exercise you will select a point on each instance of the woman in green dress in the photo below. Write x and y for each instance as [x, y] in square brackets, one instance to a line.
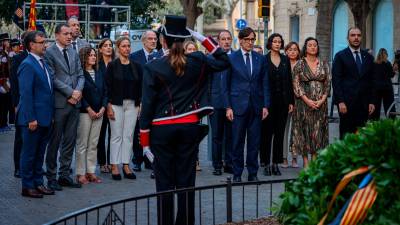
[311, 84]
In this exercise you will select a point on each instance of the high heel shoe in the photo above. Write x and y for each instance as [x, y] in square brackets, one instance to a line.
[267, 171]
[276, 170]
[116, 176]
[130, 175]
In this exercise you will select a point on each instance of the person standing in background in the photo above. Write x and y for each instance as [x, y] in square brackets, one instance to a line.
[15, 62]
[311, 85]
[221, 127]
[292, 50]
[76, 43]
[35, 114]
[94, 103]
[69, 81]
[141, 57]
[383, 72]
[353, 84]
[124, 90]
[105, 56]
[282, 100]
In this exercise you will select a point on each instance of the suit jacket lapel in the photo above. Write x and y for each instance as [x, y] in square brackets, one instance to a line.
[41, 71]
[242, 64]
[255, 61]
[61, 57]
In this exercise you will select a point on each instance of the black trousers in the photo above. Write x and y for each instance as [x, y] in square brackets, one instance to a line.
[5, 101]
[221, 137]
[355, 117]
[175, 150]
[17, 146]
[387, 97]
[138, 157]
[273, 133]
[102, 157]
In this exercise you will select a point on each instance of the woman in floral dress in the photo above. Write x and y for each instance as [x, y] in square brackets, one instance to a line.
[311, 84]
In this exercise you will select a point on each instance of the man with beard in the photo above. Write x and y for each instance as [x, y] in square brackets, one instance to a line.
[353, 84]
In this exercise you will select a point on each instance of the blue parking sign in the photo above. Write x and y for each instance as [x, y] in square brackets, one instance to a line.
[241, 23]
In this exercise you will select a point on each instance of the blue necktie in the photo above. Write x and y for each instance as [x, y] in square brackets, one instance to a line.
[248, 66]
[358, 61]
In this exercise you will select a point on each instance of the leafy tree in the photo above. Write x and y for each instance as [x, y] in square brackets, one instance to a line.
[7, 8]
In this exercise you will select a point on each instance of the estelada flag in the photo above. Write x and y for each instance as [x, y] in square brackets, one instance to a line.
[32, 16]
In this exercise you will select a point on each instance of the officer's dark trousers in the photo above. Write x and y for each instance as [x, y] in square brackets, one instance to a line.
[175, 150]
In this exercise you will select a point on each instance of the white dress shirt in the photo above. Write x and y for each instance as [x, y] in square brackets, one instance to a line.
[354, 54]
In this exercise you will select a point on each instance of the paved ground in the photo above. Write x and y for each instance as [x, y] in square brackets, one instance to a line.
[15, 210]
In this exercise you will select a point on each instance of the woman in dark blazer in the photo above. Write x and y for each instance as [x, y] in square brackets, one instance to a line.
[105, 56]
[94, 103]
[383, 72]
[282, 99]
[174, 100]
[124, 88]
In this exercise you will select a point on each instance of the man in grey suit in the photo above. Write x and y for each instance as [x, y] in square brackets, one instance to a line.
[68, 85]
[76, 43]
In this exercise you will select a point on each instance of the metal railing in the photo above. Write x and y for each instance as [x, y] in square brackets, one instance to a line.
[121, 16]
[214, 204]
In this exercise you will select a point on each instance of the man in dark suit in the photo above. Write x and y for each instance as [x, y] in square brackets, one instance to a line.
[76, 43]
[353, 84]
[35, 114]
[15, 62]
[221, 127]
[69, 80]
[143, 56]
[247, 98]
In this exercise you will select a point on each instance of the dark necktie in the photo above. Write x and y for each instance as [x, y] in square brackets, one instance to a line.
[148, 58]
[45, 72]
[66, 57]
[358, 61]
[248, 65]
[74, 45]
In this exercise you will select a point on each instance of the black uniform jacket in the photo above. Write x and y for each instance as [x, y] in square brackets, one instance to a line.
[168, 96]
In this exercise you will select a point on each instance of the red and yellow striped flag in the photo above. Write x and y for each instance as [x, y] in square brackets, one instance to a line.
[32, 16]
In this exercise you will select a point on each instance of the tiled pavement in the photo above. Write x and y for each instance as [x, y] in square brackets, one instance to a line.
[16, 210]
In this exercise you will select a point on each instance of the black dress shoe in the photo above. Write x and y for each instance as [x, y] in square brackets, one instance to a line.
[68, 182]
[31, 193]
[252, 178]
[44, 190]
[131, 176]
[53, 185]
[116, 176]
[152, 176]
[136, 167]
[228, 169]
[275, 170]
[267, 171]
[217, 172]
[17, 174]
[237, 179]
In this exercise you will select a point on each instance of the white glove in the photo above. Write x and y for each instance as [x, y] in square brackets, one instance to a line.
[208, 42]
[147, 152]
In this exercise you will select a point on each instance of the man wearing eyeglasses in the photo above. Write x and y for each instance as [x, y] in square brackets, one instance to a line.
[246, 99]
[35, 113]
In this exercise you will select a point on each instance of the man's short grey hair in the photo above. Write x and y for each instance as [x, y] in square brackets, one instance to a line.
[73, 18]
[144, 36]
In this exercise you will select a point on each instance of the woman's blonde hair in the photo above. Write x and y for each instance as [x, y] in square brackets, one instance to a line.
[187, 43]
[382, 56]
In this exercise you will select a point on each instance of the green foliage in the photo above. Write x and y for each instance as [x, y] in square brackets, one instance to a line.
[7, 9]
[378, 144]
